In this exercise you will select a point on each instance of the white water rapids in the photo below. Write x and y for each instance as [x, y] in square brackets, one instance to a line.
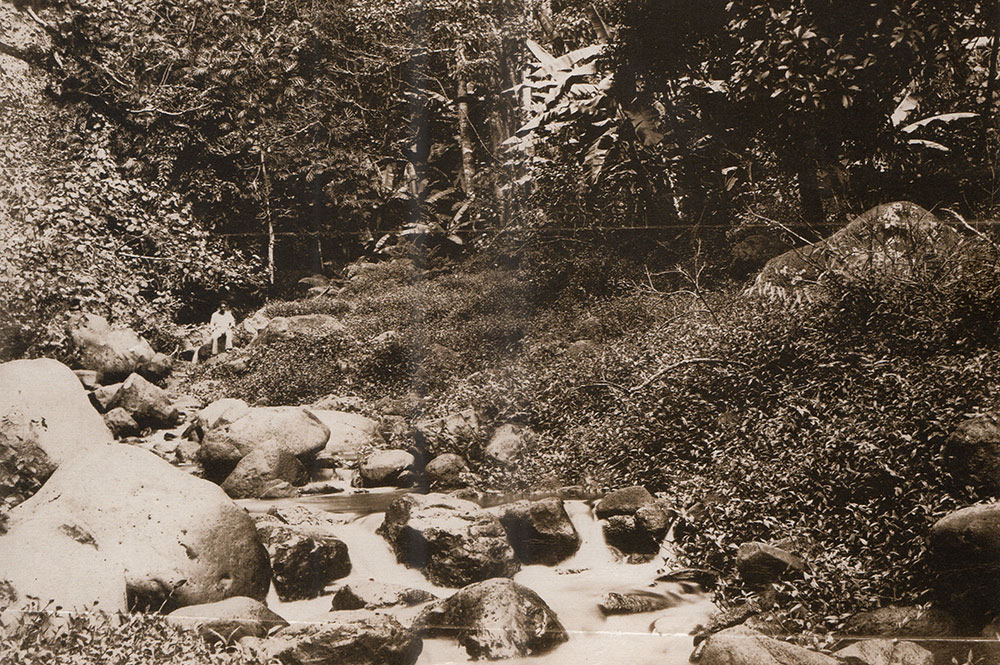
[572, 589]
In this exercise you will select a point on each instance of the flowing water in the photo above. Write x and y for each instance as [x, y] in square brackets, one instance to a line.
[572, 589]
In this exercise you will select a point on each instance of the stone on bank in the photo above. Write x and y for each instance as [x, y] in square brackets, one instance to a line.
[179, 539]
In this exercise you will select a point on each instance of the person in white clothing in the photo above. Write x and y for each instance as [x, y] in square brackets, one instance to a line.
[221, 327]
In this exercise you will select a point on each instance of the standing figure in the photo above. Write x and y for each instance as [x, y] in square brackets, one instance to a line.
[221, 327]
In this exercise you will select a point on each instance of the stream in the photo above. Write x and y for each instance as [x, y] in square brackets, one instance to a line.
[572, 589]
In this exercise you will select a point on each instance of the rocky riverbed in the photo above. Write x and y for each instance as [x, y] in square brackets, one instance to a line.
[300, 534]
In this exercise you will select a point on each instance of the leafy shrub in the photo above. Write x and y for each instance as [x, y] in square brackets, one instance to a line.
[46, 636]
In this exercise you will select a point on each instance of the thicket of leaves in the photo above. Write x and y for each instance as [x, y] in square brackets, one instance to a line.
[79, 227]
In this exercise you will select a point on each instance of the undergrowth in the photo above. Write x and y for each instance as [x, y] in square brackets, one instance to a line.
[47, 637]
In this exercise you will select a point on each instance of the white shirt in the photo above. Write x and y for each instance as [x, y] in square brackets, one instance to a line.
[222, 321]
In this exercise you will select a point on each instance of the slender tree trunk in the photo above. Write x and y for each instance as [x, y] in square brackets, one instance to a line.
[464, 133]
[269, 220]
[812, 203]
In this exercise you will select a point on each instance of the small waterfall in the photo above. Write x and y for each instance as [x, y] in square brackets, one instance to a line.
[593, 552]
[572, 589]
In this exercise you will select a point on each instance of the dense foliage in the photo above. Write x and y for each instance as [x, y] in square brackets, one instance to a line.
[81, 227]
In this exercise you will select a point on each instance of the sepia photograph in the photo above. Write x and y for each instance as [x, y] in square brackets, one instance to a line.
[537, 332]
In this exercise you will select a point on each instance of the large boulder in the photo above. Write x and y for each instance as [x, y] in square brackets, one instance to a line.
[221, 412]
[760, 563]
[372, 595]
[305, 325]
[540, 531]
[305, 555]
[345, 638]
[103, 396]
[180, 540]
[121, 423]
[446, 471]
[494, 619]
[157, 368]
[227, 620]
[458, 425]
[295, 428]
[45, 407]
[259, 472]
[929, 627]
[974, 452]
[61, 564]
[387, 468]
[887, 238]
[148, 404]
[507, 443]
[886, 652]
[45, 418]
[454, 542]
[742, 646]
[625, 501]
[350, 433]
[113, 353]
[964, 549]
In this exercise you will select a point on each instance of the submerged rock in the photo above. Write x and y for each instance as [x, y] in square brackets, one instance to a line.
[635, 521]
[454, 542]
[373, 595]
[636, 602]
[494, 619]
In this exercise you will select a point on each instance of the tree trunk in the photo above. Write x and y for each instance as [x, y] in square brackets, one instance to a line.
[270, 252]
[812, 203]
[464, 134]
[267, 217]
